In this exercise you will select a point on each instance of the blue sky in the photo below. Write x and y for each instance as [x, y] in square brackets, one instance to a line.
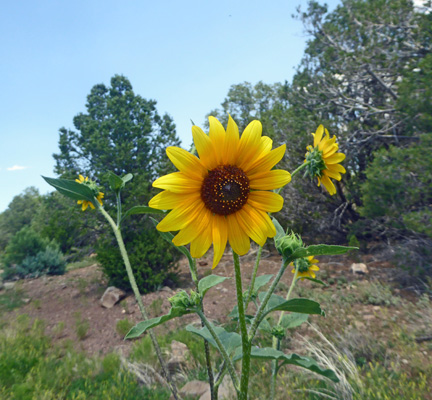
[185, 55]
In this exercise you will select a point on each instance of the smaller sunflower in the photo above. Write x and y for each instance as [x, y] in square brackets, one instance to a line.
[306, 267]
[92, 185]
[324, 160]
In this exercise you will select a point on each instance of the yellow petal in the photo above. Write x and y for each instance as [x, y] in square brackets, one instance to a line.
[220, 237]
[312, 274]
[328, 184]
[191, 231]
[331, 174]
[186, 162]
[167, 200]
[270, 180]
[336, 168]
[202, 242]
[249, 143]
[204, 148]
[265, 201]
[318, 135]
[335, 158]
[270, 228]
[85, 204]
[267, 162]
[91, 205]
[263, 149]
[313, 268]
[231, 144]
[178, 182]
[217, 137]
[238, 239]
[252, 224]
[180, 217]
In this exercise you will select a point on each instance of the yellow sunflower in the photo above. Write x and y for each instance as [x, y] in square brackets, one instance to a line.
[306, 267]
[224, 194]
[324, 160]
[86, 203]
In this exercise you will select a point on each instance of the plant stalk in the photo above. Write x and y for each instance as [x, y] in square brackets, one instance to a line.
[138, 297]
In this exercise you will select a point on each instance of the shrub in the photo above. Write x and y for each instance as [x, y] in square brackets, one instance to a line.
[152, 260]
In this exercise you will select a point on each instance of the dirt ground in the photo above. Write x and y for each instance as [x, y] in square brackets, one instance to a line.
[76, 295]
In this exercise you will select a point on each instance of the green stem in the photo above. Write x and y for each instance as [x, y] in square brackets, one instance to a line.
[138, 297]
[276, 342]
[222, 349]
[257, 319]
[297, 170]
[246, 344]
[213, 392]
[254, 274]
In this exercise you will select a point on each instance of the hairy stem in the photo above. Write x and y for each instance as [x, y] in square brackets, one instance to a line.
[138, 297]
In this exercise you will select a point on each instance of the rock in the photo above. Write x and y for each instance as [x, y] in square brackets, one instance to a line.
[167, 289]
[179, 354]
[111, 297]
[359, 268]
[226, 390]
[202, 263]
[194, 388]
[26, 300]
[8, 285]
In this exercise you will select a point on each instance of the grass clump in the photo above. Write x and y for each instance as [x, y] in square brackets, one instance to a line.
[123, 326]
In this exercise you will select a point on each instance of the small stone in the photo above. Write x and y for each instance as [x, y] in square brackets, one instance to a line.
[9, 285]
[368, 317]
[111, 297]
[226, 391]
[359, 268]
[224, 290]
[26, 300]
[166, 289]
[404, 361]
[202, 263]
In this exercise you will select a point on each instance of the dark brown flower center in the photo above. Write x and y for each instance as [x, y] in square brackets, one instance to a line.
[225, 190]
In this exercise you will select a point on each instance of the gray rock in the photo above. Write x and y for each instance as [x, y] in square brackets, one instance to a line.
[194, 388]
[226, 391]
[179, 354]
[9, 285]
[111, 297]
[359, 268]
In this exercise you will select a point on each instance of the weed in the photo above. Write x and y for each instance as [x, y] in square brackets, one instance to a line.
[86, 262]
[377, 294]
[81, 326]
[11, 299]
[123, 326]
[156, 307]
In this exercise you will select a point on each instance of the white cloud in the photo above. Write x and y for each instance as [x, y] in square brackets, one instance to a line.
[16, 168]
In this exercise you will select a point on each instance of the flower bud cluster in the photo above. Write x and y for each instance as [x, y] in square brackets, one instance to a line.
[184, 301]
[278, 332]
[288, 244]
[316, 163]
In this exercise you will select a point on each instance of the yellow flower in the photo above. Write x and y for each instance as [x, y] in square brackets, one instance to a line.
[306, 267]
[224, 194]
[86, 203]
[324, 160]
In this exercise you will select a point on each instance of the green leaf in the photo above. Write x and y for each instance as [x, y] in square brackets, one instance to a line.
[169, 237]
[208, 282]
[280, 232]
[303, 306]
[293, 320]
[261, 281]
[127, 178]
[142, 210]
[268, 353]
[265, 326]
[230, 340]
[315, 280]
[141, 327]
[71, 189]
[321, 250]
[116, 183]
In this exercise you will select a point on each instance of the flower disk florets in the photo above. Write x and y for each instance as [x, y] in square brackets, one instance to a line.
[225, 190]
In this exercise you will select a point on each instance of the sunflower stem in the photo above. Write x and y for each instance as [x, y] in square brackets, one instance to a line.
[277, 342]
[213, 390]
[254, 274]
[246, 343]
[123, 251]
[257, 319]
[222, 349]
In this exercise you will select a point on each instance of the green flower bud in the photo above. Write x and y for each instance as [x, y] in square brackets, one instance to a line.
[316, 163]
[287, 245]
[278, 332]
[195, 298]
[180, 300]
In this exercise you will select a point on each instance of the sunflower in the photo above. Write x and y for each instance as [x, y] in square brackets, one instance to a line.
[306, 267]
[224, 194]
[86, 203]
[324, 160]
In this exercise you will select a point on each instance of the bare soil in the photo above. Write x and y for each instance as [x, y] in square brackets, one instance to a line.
[76, 296]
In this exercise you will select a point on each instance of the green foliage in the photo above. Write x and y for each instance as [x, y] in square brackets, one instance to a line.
[123, 326]
[81, 326]
[20, 213]
[32, 368]
[49, 261]
[150, 256]
[121, 133]
[11, 299]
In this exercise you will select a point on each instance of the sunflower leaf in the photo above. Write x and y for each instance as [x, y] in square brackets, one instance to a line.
[169, 237]
[293, 320]
[268, 353]
[320, 250]
[71, 189]
[230, 340]
[261, 281]
[315, 280]
[142, 210]
[208, 282]
[280, 232]
[142, 326]
[116, 183]
[303, 306]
